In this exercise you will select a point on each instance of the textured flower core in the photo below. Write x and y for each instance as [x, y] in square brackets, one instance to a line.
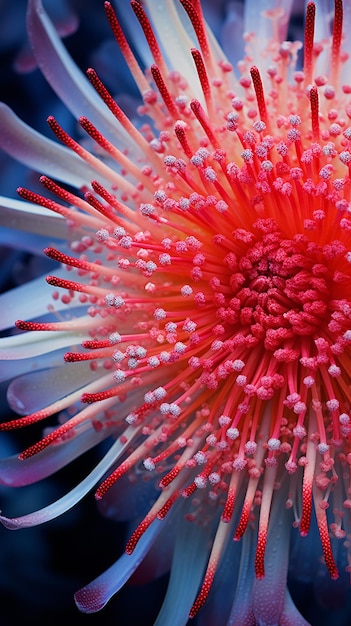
[213, 262]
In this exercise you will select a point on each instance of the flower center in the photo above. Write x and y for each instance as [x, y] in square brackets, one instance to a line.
[280, 289]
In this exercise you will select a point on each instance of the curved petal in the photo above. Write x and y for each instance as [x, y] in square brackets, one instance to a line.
[94, 596]
[172, 36]
[268, 595]
[32, 392]
[72, 497]
[31, 218]
[17, 473]
[242, 610]
[30, 301]
[35, 343]
[17, 368]
[189, 561]
[40, 153]
[65, 78]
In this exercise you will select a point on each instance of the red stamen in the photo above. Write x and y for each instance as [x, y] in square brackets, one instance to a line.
[260, 552]
[76, 357]
[217, 550]
[231, 497]
[204, 121]
[305, 521]
[72, 199]
[194, 12]
[27, 420]
[204, 591]
[181, 136]
[72, 285]
[88, 157]
[165, 95]
[101, 208]
[168, 478]
[258, 87]
[168, 505]
[94, 344]
[309, 42]
[324, 534]
[149, 35]
[112, 478]
[138, 533]
[336, 42]
[202, 74]
[52, 437]
[90, 398]
[60, 257]
[314, 100]
[243, 522]
[35, 198]
[122, 42]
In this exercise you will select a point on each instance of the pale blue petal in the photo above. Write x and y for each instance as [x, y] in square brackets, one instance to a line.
[94, 596]
[69, 500]
[191, 552]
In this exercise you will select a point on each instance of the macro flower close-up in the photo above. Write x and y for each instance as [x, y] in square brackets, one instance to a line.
[192, 338]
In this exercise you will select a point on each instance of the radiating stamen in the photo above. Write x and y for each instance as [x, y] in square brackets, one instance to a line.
[309, 42]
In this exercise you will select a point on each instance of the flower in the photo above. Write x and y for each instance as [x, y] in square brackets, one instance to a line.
[202, 307]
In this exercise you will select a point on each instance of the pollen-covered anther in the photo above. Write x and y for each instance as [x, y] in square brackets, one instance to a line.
[273, 444]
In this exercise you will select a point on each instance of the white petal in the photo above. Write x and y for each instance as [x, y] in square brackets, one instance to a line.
[31, 218]
[34, 343]
[40, 153]
[174, 41]
[17, 473]
[242, 610]
[257, 22]
[64, 76]
[73, 497]
[189, 561]
[31, 301]
[14, 369]
[32, 392]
